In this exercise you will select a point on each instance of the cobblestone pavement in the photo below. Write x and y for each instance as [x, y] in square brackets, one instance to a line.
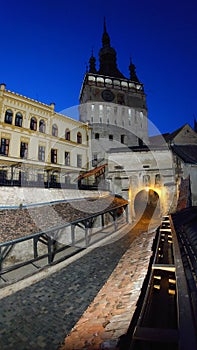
[43, 314]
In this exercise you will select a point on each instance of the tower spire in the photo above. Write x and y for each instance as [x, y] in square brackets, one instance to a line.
[107, 57]
[133, 76]
[105, 37]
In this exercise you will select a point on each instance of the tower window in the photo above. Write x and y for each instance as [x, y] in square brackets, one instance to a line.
[97, 136]
[111, 137]
[120, 99]
[122, 138]
[18, 119]
[8, 116]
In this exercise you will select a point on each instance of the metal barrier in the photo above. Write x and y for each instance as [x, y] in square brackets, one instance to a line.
[49, 238]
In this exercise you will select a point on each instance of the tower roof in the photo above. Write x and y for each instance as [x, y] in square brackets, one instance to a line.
[108, 61]
[107, 57]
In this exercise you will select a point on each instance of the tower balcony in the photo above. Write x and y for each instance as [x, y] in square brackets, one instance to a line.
[109, 82]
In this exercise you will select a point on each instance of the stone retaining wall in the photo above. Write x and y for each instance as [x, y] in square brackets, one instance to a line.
[16, 196]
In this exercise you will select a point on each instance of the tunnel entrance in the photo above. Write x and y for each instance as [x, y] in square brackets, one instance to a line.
[147, 204]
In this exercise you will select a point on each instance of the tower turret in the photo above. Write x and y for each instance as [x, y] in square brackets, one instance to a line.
[92, 64]
[133, 76]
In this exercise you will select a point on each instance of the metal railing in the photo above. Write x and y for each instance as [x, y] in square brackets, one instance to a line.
[49, 238]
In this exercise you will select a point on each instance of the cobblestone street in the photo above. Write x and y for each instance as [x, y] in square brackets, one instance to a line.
[44, 313]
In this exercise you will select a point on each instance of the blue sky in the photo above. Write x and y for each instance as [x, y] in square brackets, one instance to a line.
[46, 44]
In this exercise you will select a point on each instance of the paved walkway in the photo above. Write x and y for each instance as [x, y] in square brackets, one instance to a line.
[41, 315]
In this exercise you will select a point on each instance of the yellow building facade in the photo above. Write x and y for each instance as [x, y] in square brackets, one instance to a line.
[38, 146]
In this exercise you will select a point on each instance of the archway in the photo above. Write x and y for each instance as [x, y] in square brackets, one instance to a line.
[147, 204]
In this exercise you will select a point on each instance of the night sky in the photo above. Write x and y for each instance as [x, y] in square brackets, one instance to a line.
[46, 45]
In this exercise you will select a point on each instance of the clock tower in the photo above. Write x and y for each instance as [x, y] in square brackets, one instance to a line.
[112, 104]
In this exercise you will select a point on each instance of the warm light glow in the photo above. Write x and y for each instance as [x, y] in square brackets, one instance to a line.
[171, 291]
[157, 277]
[156, 286]
[172, 281]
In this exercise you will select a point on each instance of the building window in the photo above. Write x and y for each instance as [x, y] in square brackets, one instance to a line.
[111, 137]
[54, 156]
[97, 136]
[53, 179]
[5, 146]
[18, 119]
[157, 179]
[54, 130]
[33, 124]
[24, 150]
[95, 159]
[146, 180]
[41, 153]
[42, 126]
[67, 158]
[79, 137]
[8, 116]
[67, 134]
[122, 138]
[79, 160]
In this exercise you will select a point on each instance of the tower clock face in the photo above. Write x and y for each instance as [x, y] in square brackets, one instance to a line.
[108, 95]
